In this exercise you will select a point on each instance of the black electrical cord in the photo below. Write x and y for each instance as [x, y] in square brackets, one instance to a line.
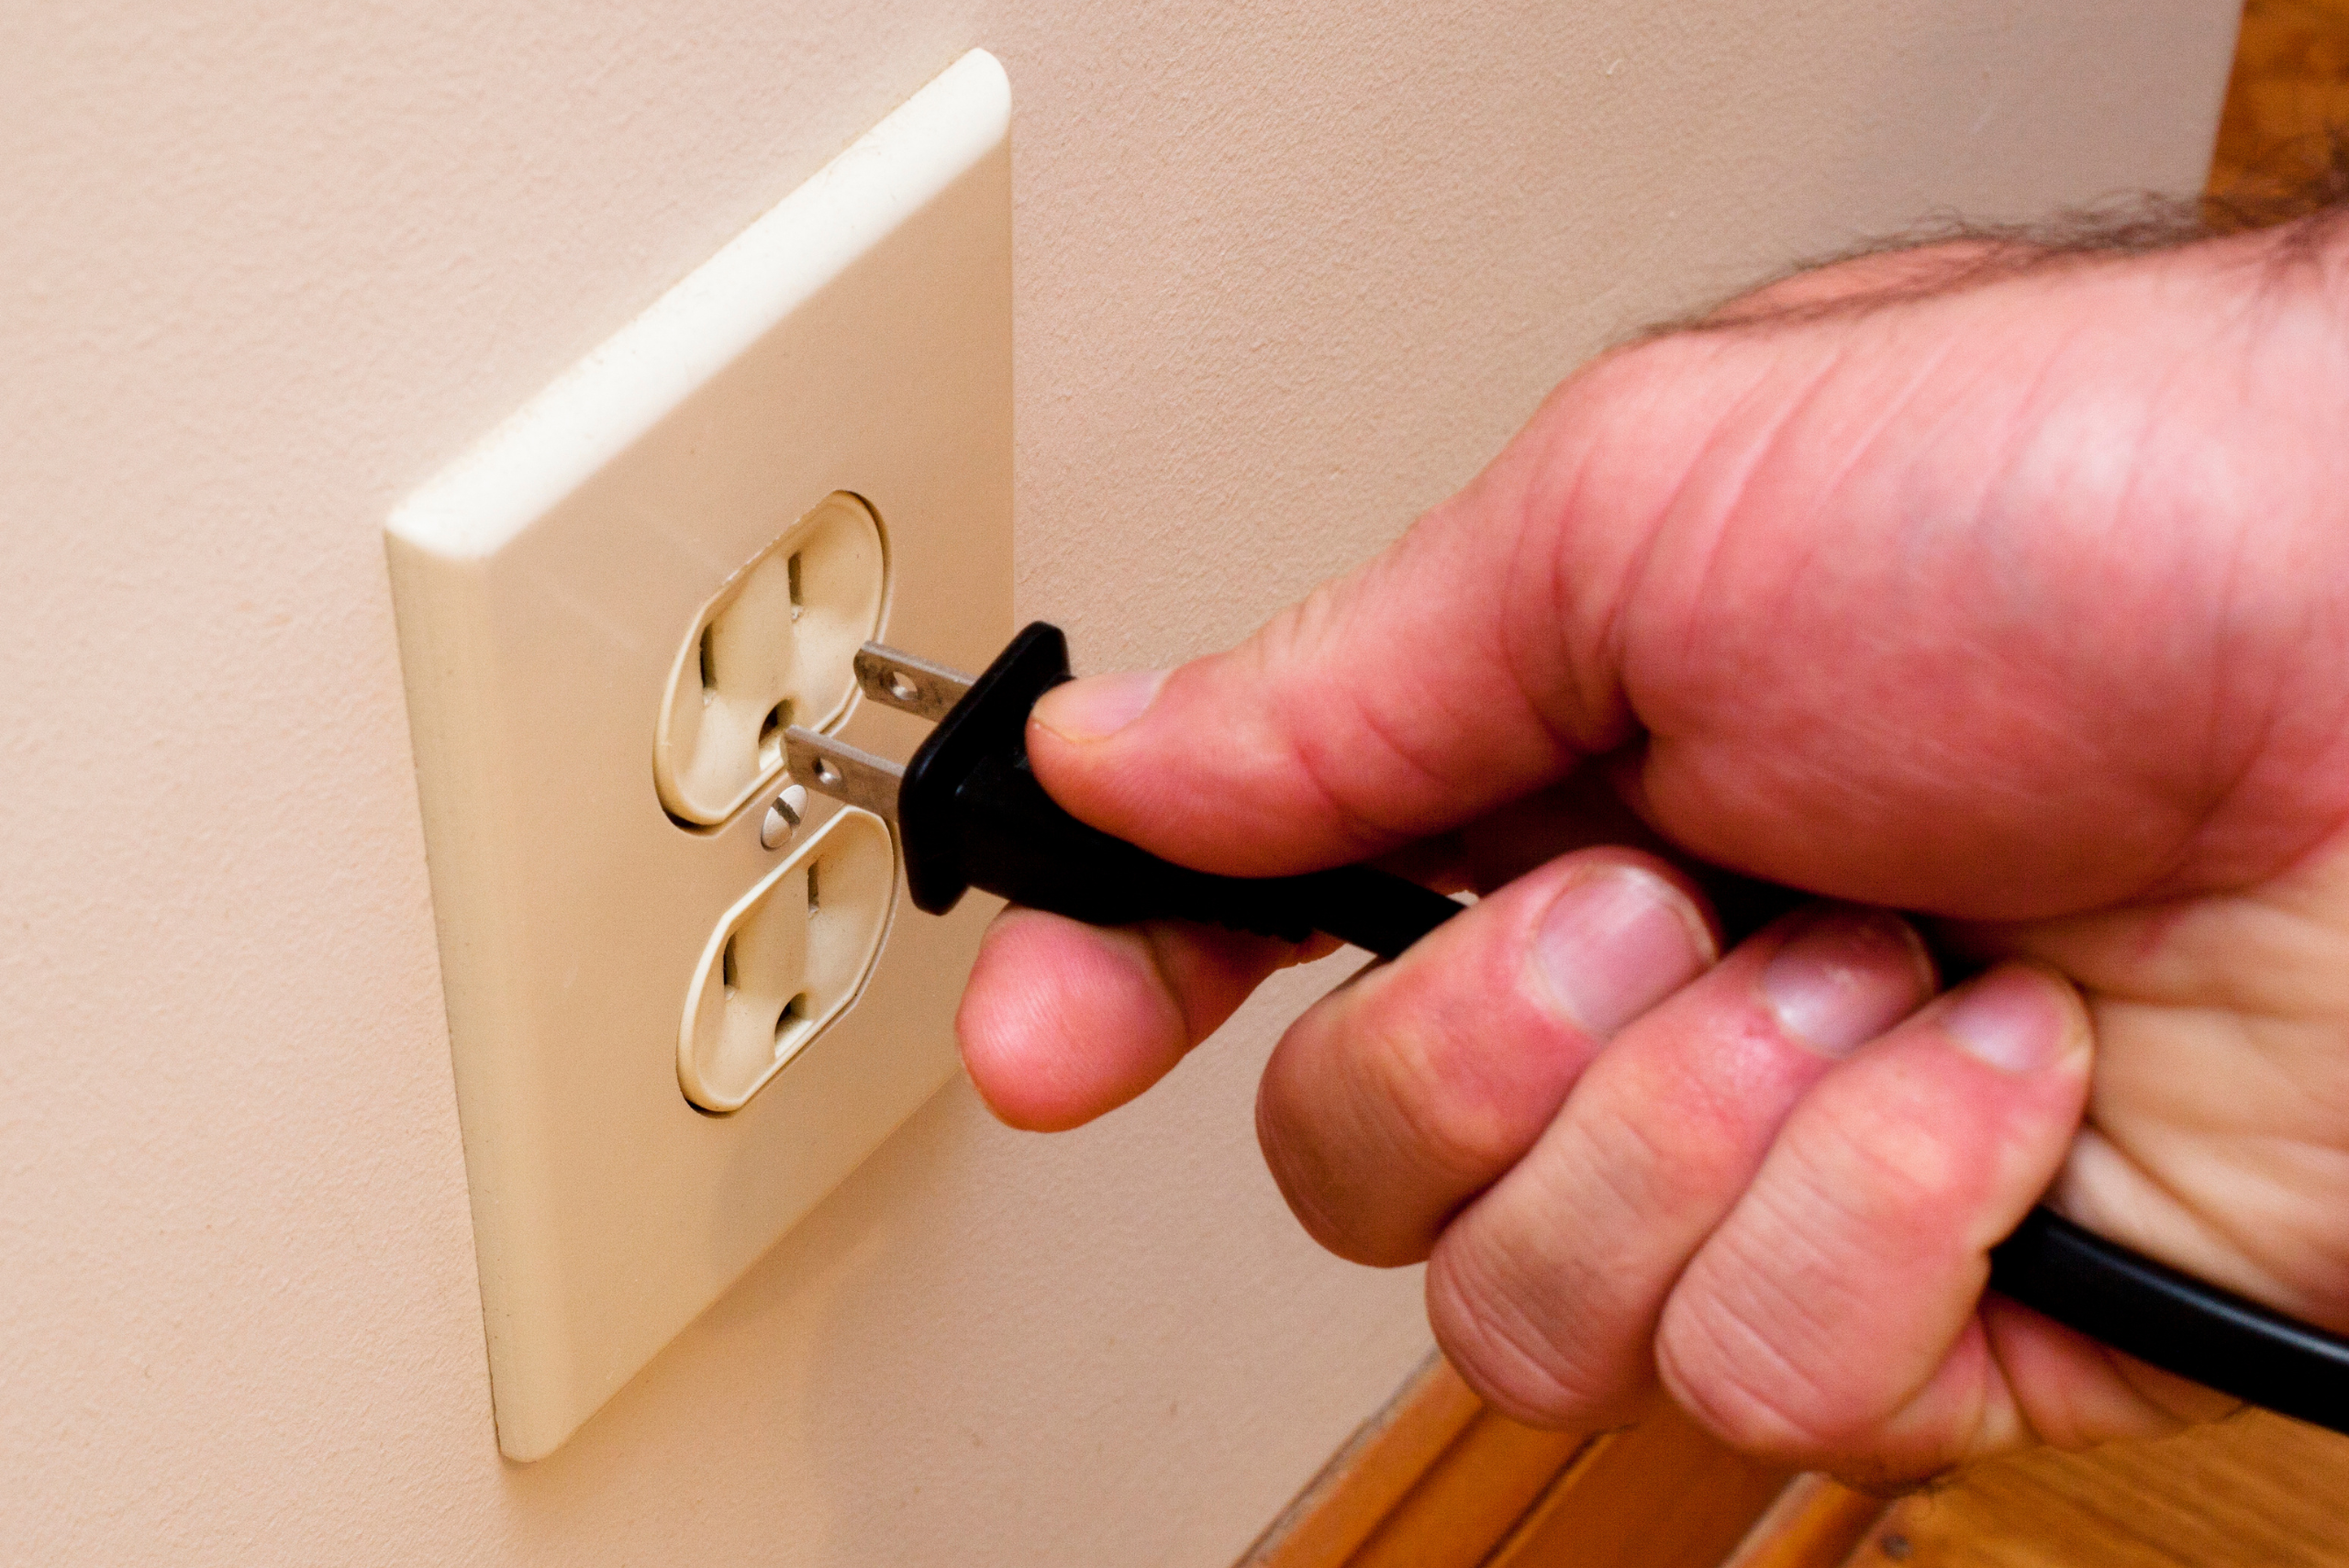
[971, 814]
[2173, 1320]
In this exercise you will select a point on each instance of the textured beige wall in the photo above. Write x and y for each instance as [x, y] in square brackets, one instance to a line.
[1286, 271]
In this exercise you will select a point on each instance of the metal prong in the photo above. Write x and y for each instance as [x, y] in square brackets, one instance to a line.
[903, 682]
[841, 771]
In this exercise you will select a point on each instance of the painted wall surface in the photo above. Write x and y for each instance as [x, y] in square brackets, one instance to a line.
[1288, 271]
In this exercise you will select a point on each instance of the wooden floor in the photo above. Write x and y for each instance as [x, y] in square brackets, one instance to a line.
[2257, 1492]
[1438, 1481]
[2288, 99]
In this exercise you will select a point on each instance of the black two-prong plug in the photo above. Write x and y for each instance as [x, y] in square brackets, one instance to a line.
[969, 813]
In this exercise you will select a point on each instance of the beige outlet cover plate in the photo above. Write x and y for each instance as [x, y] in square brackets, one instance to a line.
[857, 339]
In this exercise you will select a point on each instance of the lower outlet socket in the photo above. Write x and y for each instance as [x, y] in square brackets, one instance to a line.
[785, 960]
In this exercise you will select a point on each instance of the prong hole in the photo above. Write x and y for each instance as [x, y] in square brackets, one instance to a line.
[708, 665]
[778, 719]
[791, 570]
[826, 774]
[726, 964]
[902, 686]
[794, 1014]
[812, 901]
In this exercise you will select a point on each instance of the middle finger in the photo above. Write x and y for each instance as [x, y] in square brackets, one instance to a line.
[1395, 1100]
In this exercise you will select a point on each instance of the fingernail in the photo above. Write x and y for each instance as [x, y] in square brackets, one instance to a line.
[2011, 1019]
[1099, 706]
[1616, 944]
[1845, 978]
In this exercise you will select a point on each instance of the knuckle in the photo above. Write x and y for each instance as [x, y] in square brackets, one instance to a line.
[1759, 1351]
[1665, 1142]
[1342, 1174]
[1889, 1166]
[1738, 1390]
[1447, 1112]
[1310, 1181]
[1461, 1086]
[1491, 1328]
[1355, 764]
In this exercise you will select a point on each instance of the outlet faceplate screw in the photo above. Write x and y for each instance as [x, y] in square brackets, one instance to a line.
[783, 818]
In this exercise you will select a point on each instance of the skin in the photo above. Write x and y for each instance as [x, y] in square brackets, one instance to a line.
[2008, 589]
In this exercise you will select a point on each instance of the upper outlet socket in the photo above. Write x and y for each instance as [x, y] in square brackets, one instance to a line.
[775, 647]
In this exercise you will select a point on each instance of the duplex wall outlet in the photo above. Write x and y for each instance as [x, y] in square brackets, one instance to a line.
[608, 610]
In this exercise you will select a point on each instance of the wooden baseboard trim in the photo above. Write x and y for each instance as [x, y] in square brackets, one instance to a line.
[1435, 1479]
[1663, 1493]
[1365, 1480]
[1815, 1523]
[1473, 1497]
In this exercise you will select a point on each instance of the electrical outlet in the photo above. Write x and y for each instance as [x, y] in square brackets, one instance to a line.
[607, 611]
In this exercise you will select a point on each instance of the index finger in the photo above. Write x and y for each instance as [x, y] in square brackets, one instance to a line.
[1062, 1022]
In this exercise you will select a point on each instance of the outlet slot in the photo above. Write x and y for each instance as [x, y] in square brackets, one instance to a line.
[787, 960]
[774, 647]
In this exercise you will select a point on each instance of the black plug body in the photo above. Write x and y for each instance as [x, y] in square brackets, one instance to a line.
[971, 814]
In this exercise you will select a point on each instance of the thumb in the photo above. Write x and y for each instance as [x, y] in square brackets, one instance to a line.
[1461, 668]
[1911, 604]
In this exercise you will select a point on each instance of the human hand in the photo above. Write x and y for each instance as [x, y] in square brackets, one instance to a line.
[2005, 589]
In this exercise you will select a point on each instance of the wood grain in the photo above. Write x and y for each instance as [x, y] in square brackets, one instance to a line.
[1472, 1497]
[2255, 1491]
[1816, 1523]
[1435, 1479]
[1663, 1494]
